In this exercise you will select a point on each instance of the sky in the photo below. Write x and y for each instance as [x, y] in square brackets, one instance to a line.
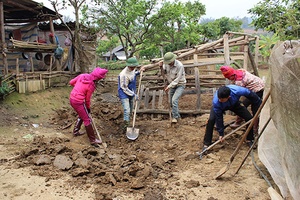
[214, 8]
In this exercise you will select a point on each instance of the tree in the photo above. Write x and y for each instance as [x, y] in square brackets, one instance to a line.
[130, 20]
[107, 45]
[266, 43]
[213, 30]
[277, 16]
[76, 40]
[142, 23]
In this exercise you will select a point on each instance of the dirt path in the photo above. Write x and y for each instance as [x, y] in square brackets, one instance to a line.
[40, 158]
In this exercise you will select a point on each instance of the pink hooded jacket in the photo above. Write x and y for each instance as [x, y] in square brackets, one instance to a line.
[84, 85]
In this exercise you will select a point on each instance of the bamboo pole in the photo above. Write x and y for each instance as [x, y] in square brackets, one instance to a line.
[226, 50]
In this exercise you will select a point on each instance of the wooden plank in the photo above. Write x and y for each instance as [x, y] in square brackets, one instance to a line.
[198, 89]
[215, 60]
[163, 111]
[141, 96]
[146, 101]
[153, 102]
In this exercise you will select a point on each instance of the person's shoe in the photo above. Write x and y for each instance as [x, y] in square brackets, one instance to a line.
[124, 126]
[204, 149]
[174, 120]
[249, 143]
[235, 125]
[79, 133]
[96, 142]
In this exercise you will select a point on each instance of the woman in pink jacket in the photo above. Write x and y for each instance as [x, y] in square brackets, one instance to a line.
[244, 78]
[80, 99]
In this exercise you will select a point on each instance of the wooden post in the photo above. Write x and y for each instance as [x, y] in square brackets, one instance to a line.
[3, 44]
[31, 63]
[17, 66]
[256, 50]
[26, 83]
[246, 48]
[153, 102]
[50, 70]
[197, 85]
[254, 66]
[226, 50]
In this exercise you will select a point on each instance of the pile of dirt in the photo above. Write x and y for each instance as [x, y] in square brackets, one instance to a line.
[161, 164]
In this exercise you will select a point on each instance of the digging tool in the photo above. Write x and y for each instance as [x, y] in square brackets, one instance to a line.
[200, 154]
[226, 168]
[254, 143]
[95, 128]
[169, 106]
[133, 133]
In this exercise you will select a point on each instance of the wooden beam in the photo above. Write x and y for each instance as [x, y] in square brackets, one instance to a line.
[3, 44]
[21, 6]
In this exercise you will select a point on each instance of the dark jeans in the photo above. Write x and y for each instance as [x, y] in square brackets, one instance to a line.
[247, 102]
[239, 110]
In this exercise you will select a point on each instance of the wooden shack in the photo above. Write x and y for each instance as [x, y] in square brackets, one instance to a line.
[201, 65]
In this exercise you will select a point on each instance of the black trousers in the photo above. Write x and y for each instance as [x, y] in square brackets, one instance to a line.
[247, 102]
[239, 110]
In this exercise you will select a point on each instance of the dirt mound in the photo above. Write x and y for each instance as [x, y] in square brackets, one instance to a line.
[161, 164]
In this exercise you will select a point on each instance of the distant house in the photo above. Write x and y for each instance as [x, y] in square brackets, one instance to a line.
[117, 53]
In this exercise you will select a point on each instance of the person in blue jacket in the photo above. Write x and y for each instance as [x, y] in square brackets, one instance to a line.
[127, 89]
[227, 98]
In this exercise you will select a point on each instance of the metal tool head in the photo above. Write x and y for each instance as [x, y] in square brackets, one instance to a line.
[132, 133]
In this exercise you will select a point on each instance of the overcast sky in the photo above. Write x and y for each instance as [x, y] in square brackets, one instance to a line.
[214, 8]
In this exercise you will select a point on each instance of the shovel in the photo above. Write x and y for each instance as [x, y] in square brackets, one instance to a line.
[254, 143]
[168, 99]
[200, 154]
[133, 133]
[226, 168]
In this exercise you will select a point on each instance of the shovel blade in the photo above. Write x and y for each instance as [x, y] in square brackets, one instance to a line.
[132, 133]
[222, 171]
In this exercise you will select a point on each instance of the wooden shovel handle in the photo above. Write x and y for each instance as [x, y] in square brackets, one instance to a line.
[136, 102]
[226, 136]
[250, 126]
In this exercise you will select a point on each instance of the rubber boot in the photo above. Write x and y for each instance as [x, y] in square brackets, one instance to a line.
[91, 134]
[237, 123]
[77, 127]
[125, 125]
[256, 127]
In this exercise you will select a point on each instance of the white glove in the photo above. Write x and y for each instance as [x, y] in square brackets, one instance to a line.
[136, 97]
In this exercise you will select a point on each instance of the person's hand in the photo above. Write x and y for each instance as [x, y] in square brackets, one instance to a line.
[136, 97]
[221, 138]
[166, 89]
[89, 110]
[142, 69]
[160, 64]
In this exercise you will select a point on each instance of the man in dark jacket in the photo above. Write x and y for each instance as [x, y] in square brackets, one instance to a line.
[227, 98]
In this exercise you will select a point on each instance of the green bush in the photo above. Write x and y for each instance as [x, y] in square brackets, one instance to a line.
[4, 90]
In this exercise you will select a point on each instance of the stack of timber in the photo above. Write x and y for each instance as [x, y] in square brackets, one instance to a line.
[201, 65]
[32, 46]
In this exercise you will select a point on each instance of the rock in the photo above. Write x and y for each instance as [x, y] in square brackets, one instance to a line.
[209, 161]
[192, 184]
[79, 172]
[42, 160]
[137, 184]
[63, 162]
[82, 162]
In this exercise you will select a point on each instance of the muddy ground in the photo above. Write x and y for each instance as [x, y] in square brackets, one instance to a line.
[41, 159]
